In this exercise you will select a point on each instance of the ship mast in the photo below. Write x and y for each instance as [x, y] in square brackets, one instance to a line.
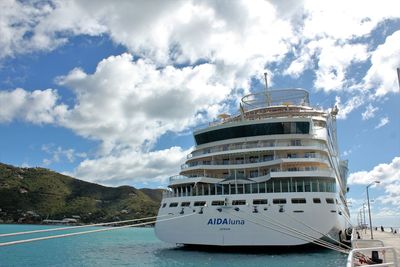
[268, 98]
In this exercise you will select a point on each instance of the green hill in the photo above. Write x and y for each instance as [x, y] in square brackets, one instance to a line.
[34, 194]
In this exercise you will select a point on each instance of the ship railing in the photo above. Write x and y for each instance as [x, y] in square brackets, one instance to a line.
[279, 185]
[177, 177]
[247, 161]
[249, 146]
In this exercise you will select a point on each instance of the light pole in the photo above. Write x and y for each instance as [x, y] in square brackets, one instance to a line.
[369, 209]
[364, 226]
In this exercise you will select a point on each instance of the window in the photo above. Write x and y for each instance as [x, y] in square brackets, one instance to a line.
[300, 127]
[253, 173]
[310, 168]
[309, 155]
[164, 205]
[317, 200]
[295, 142]
[330, 201]
[298, 200]
[239, 202]
[218, 203]
[185, 204]
[268, 157]
[173, 204]
[199, 203]
[291, 155]
[260, 201]
[279, 201]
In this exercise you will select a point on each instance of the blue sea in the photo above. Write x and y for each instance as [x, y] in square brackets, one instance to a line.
[140, 247]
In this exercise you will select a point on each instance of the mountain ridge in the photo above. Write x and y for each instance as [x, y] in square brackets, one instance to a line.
[34, 194]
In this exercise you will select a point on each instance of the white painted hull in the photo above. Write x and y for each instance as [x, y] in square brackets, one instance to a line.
[267, 227]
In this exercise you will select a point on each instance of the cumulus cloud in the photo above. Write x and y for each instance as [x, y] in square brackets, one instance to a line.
[386, 173]
[385, 59]
[36, 107]
[132, 103]
[131, 165]
[242, 35]
[382, 122]
[133, 99]
[351, 104]
[389, 176]
[369, 112]
[58, 154]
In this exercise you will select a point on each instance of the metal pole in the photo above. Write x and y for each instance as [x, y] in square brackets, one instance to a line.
[365, 221]
[369, 213]
[398, 75]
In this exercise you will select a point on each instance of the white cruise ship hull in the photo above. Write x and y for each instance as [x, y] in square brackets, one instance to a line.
[251, 225]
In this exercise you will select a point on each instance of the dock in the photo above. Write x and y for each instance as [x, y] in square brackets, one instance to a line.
[385, 246]
[388, 239]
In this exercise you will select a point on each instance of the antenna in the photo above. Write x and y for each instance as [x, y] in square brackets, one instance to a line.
[398, 75]
[266, 89]
[266, 81]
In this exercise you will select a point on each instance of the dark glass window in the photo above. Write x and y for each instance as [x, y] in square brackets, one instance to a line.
[298, 200]
[218, 203]
[301, 127]
[316, 200]
[239, 202]
[260, 201]
[330, 201]
[199, 203]
[185, 204]
[164, 204]
[173, 204]
[279, 201]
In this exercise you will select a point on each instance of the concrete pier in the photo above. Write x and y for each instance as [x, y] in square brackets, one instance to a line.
[389, 239]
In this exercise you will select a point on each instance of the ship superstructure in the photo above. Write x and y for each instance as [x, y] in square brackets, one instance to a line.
[260, 178]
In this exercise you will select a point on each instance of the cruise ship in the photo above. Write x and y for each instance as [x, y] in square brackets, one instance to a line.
[270, 175]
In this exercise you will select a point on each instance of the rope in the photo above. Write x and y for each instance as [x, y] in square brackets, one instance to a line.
[306, 235]
[313, 229]
[75, 227]
[86, 232]
[296, 234]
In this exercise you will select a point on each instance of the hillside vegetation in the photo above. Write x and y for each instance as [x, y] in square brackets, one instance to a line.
[35, 194]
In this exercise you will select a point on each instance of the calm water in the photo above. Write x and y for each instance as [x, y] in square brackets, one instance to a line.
[140, 247]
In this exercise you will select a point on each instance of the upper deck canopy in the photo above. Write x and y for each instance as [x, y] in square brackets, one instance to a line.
[297, 97]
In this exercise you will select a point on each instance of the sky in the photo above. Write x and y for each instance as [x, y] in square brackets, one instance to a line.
[110, 91]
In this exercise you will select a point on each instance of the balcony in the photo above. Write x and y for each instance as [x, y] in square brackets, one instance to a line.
[252, 145]
[255, 160]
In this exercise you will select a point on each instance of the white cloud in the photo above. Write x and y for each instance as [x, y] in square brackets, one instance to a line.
[389, 177]
[36, 107]
[383, 122]
[240, 34]
[386, 173]
[58, 154]
[127, 103]
[333, 62]
[385, 59]
[387, 212]
[132, 166]
[369, 112]
[344, 20]
[351, 104]
[347, 152]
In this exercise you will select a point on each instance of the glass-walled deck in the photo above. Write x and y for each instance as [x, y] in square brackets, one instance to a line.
[276, 185]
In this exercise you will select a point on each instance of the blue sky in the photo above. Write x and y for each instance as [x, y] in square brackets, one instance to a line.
[109, 93]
